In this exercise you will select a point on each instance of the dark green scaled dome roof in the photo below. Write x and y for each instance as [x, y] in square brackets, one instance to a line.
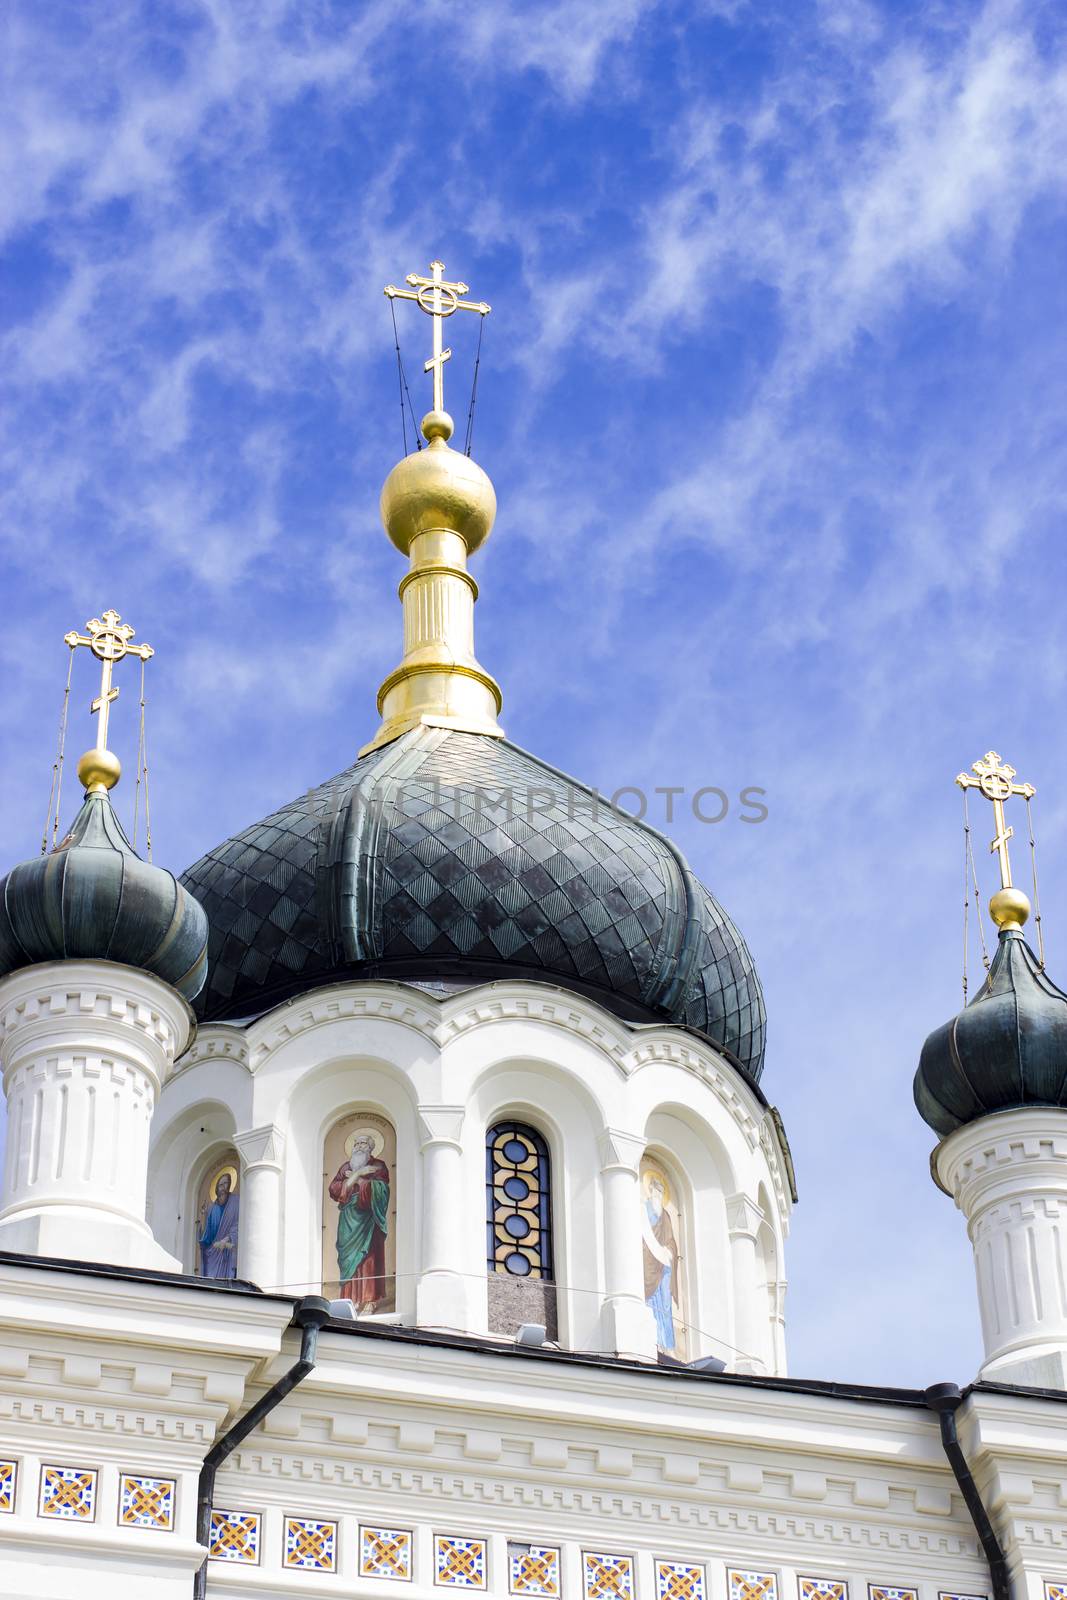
[409, 866]
[94, 899]
[1007, 1048]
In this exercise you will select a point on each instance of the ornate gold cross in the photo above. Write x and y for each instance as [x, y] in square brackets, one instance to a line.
[108, 638]
[997, 783]
[439, 300]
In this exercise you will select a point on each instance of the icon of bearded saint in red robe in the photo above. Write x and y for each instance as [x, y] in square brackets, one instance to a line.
[361, 1190]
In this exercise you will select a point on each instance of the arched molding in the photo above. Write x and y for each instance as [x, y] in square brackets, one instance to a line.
[215, 1041]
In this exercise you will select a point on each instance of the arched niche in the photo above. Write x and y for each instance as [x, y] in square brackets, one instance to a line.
[359, 1212]
[666, 1228]
[520, 1227]
[693, 1153]
[216, 1215]
[773, 1281]
[560, 1106]
[185, 1149]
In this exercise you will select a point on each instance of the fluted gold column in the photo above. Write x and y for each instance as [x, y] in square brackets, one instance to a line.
[438, 506]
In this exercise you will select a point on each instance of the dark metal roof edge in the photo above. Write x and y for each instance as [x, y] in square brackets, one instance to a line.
[171, 1280]
[1021, 1391]
[859, 1393]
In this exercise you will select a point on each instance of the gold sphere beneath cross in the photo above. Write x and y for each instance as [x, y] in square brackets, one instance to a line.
[438, 488]
[1009, 908]
[99, 771]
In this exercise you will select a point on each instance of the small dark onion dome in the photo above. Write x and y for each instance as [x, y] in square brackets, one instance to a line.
[1007, 1048]
[94, 899]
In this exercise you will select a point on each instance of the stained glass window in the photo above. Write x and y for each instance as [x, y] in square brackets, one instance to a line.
[517, 1202]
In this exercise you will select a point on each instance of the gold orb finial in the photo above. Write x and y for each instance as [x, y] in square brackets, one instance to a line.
[438, 488]
[1009, 908]
[99, 771]
[437, 425]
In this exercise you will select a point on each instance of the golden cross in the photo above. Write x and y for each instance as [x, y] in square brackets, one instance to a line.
[109, 640]
[438, 299]
[996, 781]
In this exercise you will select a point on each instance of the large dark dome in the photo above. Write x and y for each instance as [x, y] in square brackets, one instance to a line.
[409, 865]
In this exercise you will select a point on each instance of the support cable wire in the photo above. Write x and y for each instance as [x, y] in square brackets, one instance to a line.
[404, 390]
[1037, 897]
[55, 793]
[468, 441]
[315, 1285]
[966, 894]
[974, 879]
[141, 775]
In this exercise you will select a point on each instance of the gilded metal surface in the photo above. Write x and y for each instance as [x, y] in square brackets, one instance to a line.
[108, 637]
[439, 300]
[438, 507]
[996, 781]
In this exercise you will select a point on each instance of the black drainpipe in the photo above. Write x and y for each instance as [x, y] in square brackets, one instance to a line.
[945, 1399]
[309, 1317]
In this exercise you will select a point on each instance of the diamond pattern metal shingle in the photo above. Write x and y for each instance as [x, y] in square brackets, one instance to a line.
[462, 854]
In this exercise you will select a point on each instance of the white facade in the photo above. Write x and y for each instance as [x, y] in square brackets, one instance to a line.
[600, 1092]
[424, 1453]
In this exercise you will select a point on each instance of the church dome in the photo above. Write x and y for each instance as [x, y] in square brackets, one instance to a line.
[1007, 1048]
[94, 899]
[447, 855]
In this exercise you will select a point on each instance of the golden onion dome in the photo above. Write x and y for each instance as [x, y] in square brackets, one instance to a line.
[438, 488]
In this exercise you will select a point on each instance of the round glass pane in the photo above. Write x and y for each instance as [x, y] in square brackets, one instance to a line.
[518, 1265]
[516, 1226]
[515, 1151]
[516, 1188]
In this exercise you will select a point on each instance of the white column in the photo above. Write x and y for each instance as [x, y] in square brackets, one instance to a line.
[752, 1308]
[260, 1227]
[629, 1326]
[444, 1297]
[85, 1047]
[1008, 1174]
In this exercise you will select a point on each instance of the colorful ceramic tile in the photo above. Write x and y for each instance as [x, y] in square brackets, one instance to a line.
[607, 1576]
[679, 1580]
[881, 1591]
[8, 1475]
[1053, 1591]
[824, 1589]
[385, 1553]
[1050, 1594]
[533, 1569]
[310, 1545]
[744, 1585]
[459, 1563]
[146, 1502]
[235, 1536]
[68, 1493]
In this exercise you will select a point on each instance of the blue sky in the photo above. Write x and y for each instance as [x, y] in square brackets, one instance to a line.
[773, 396]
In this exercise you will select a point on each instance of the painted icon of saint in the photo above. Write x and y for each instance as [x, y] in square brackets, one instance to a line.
[361, 1190]
[218, 1242]
[660, 1251]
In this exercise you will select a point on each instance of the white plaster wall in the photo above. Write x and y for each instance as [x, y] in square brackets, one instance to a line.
[442, 1072]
